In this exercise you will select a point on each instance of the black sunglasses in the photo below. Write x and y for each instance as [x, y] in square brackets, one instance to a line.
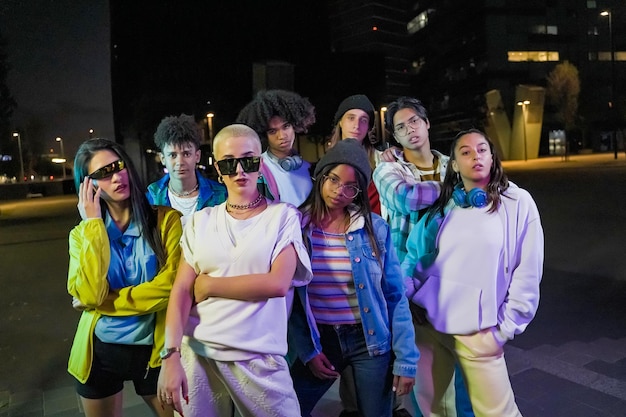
[108, 170]
[248, 163]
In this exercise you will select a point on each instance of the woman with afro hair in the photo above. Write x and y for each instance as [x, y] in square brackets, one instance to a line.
[277, 115]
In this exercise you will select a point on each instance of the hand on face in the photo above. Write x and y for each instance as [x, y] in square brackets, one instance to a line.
[89, 200]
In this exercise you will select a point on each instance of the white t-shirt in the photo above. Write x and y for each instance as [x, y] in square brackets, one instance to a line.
[186, 205]
[216, 244]
[294, 186]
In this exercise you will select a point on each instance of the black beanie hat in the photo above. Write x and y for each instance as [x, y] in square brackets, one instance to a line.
[350, 152]
[357, 101]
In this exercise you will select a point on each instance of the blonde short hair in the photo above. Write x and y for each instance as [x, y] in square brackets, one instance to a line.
[235, 131]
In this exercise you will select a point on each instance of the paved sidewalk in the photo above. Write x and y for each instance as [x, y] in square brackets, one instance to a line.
[571, 380]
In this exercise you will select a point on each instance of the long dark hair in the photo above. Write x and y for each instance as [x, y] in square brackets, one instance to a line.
[142, 212]
[314, 209]
[498, 181]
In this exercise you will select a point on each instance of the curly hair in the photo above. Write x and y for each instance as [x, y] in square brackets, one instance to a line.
[177, 130]
[289, 106]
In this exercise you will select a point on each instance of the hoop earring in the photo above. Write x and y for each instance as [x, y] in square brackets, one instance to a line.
[220, 179]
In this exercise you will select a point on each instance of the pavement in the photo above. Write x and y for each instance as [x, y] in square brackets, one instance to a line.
[571, 361]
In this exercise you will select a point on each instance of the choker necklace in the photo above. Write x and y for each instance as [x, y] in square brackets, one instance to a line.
[184, 193]
[253, 204]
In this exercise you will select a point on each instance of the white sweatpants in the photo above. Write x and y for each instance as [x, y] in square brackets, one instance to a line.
[481, 359]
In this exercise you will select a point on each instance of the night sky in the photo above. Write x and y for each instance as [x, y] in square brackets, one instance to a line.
[60, 76]
[60, 53]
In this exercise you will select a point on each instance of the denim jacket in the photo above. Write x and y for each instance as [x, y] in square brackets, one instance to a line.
[210, 193]
[381, 299]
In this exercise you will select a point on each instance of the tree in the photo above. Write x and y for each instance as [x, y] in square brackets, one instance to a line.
[563, 88]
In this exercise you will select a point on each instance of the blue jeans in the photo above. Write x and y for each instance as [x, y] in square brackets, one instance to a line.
[345, 345]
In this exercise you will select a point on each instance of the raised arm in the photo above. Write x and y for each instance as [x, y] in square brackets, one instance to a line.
[90, 255]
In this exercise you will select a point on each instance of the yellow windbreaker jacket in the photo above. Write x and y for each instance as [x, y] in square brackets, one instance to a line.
[87, 281]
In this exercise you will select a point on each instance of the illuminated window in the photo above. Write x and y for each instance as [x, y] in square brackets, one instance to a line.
[545, 30]
[418, 22]
[606, 56]
[533, 56]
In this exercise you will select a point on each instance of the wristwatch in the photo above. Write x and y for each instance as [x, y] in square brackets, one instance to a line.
[167, 352]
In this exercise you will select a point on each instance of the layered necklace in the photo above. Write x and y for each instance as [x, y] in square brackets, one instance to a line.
[247, 206]
[184, 193]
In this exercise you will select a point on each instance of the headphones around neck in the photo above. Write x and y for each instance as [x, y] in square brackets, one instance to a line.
[288, 163]
[475, 198]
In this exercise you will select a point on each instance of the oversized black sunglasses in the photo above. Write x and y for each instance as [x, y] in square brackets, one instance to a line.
[108, 170]
[248, 164]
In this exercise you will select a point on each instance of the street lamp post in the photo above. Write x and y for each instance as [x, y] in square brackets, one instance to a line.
[90, 133]
[383, 134]
[19, 147]
[524, 104]
[209, 121]
[608, 13]
[58, 139]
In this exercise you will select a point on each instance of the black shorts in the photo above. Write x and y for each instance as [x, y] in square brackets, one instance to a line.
[113, 364]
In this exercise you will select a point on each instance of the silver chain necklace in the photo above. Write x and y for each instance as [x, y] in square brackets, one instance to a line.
[250, 205]
[184, 193]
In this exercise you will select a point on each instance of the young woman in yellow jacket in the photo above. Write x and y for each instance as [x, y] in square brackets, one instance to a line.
[123, 260]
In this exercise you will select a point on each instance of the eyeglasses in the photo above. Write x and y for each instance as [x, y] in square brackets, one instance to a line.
[108, 170]
[414, 122]
[248, 164]
[348, 191]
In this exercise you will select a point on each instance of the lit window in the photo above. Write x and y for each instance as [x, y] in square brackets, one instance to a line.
[417, 23]
[533, 56]
[606, 56]
[545, 30]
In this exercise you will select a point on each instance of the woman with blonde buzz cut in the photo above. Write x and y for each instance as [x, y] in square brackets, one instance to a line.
[239, 262]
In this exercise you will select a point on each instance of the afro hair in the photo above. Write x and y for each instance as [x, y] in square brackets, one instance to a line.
[287, 105]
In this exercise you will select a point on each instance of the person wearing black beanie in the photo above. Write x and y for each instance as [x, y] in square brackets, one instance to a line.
[348, 152]
[356, 297]
[355, 118]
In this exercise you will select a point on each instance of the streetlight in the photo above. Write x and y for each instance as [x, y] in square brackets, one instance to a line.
[607, 13]
[383, 135]
[524, 104]
[90, 133]
[209, 120]
[58, 139]
[19, 147]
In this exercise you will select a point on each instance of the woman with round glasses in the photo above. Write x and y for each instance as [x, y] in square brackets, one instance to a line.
[358, 314]
[123, 259]
[240, 260]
